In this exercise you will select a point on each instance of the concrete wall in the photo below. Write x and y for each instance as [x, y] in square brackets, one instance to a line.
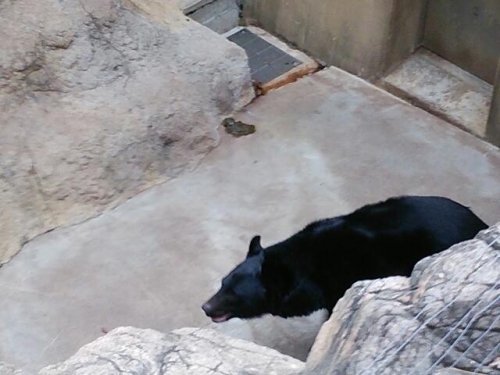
[465, 32]
[493, 128]
[364, 37]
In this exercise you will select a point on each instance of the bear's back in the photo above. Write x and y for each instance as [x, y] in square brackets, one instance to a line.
[444, 221]
[382, 239]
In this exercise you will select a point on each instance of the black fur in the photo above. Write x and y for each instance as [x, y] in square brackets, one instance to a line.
[313, 268]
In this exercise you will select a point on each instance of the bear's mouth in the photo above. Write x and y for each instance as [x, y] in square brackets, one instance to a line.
[221, 317]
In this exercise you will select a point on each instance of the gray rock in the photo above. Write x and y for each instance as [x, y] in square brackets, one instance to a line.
[128, 350]
[445, 315]
[100, 100]
[6, 369]
[453, 371]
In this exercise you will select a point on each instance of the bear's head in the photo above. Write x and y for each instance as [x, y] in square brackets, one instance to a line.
[269, 281]
[242, 293]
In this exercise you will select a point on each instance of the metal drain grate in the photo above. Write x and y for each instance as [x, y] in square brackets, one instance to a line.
[266, 61]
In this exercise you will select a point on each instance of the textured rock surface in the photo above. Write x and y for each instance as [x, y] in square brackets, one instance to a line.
[6, 369]
[445, 315]
[100, 99]
[453, 371]
[129, 350]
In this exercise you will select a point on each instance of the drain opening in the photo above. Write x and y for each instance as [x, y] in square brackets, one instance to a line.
[266, 61]
[272, 62]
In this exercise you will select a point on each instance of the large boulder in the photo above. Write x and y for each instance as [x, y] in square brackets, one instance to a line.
[189, 351]
[100, 99]
[445, 315]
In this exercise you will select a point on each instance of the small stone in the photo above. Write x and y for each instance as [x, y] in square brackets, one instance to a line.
[237, 128]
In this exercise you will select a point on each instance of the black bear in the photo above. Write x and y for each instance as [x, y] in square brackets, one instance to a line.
[312, 269]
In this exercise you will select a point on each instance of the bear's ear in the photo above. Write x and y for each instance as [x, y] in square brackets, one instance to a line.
[255, 247]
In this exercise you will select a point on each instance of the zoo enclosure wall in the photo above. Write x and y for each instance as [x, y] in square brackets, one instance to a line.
[369, 38]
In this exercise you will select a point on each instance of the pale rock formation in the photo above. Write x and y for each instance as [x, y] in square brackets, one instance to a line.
[188, 351]
[100, 99]
[445, 315]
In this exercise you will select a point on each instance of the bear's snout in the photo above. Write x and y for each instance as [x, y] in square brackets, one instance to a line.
[207, 308]
[214, 305]
[214, 309]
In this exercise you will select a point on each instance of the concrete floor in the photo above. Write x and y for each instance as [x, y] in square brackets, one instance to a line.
[324, 146]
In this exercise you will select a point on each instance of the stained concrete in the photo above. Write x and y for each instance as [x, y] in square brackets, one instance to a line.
[444, 89]
[324, 146]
